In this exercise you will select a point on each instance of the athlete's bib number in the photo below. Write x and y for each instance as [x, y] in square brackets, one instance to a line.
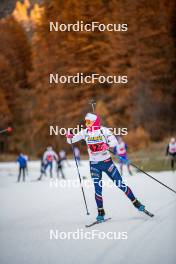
[96, 147]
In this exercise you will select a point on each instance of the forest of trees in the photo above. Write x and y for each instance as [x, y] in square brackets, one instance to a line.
[146, 53]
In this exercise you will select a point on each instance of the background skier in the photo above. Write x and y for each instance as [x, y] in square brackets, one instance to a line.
[48, 157]
[63, 157]
[121, 151]
[22, 166]
[171, 151]
[60, 167]
[77, 155]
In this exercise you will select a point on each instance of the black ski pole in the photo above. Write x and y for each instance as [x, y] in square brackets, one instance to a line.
[132, 164]
[80, 179]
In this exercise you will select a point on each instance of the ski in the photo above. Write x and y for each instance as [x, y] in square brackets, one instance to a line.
[97, 222]
[148, 213]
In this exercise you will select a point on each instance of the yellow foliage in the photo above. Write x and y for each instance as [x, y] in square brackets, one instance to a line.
[26, 14]
[36, 14]
[27, 4]
[20, 12]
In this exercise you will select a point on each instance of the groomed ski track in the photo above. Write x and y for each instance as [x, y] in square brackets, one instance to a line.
[30, 210]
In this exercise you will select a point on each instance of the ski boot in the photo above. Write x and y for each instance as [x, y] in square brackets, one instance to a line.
[138, 205]
[101, 213]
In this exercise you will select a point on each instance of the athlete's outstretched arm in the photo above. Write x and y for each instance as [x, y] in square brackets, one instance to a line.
[75, 138]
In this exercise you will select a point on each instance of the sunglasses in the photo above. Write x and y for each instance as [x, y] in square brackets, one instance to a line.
[89, 122]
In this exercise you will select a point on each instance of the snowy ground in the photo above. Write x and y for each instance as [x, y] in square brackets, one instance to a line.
[32, 211]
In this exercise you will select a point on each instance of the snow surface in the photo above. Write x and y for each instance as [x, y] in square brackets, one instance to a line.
[31, 211]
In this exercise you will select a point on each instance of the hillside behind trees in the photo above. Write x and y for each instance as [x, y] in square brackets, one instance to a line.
[146, 53]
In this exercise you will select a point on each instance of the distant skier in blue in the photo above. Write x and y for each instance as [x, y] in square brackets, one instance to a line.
[22, 166]
[99, 140]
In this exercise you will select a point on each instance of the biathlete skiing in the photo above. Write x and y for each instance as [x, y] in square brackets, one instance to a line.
[77, 155]
[120, 150]
[48, 157]
[171, 151]
[59, 168]
[22, 166]
[99, 141]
